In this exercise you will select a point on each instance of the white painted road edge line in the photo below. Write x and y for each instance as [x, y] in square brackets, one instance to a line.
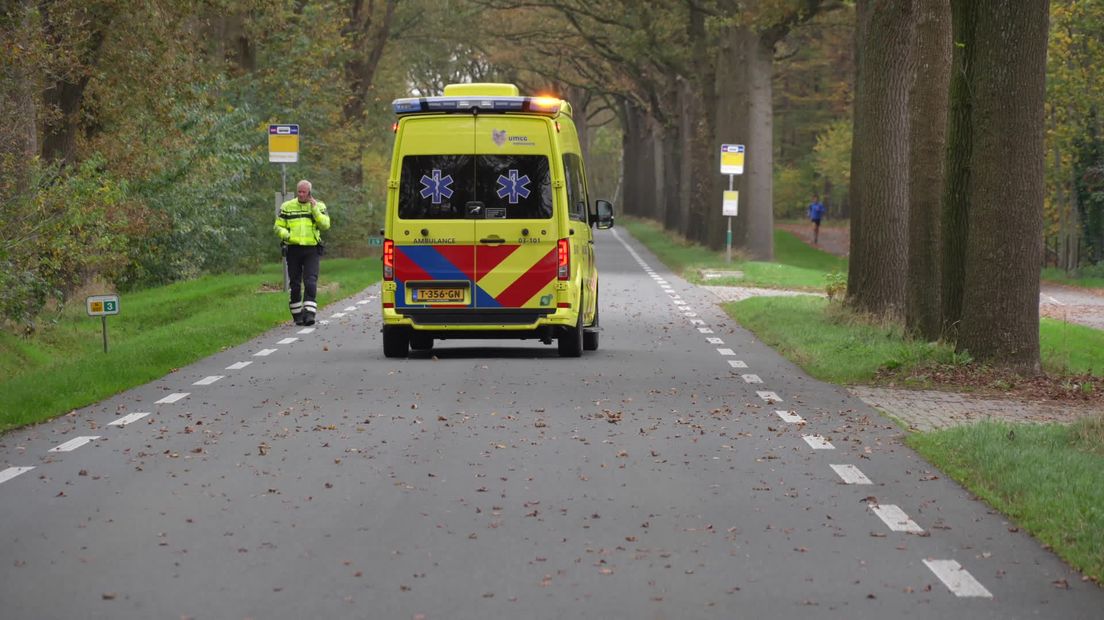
[172, 398]
[737, 363]
[305, 330]
[12, 472]
[817, 442]
[790, 416]
[264, 352]
[238, 365]
[209, 380]
[288, 340]
[771, 396]
[957, 579]
[73, 444]
[128, 418]
[851, 474]
[895, 518]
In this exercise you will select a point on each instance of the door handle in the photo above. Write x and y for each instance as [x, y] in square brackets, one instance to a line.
[493, 240]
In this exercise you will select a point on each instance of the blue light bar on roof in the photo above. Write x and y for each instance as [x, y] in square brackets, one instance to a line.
[422, 105]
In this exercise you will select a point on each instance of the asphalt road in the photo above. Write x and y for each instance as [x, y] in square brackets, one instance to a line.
[654, 478]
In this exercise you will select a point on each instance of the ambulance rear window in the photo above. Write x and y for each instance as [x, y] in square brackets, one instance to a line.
[493, 187]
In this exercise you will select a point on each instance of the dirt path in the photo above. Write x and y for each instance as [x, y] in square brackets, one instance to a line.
[1064, 303]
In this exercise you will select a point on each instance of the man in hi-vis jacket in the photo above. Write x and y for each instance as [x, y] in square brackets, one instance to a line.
[300, 225]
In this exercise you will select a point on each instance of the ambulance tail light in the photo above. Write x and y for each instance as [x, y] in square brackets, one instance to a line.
[388, 260]
[563, 270]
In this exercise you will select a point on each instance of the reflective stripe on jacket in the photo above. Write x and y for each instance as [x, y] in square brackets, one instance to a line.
[301, 224]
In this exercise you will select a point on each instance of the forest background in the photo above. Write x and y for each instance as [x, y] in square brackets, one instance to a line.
[133, 134]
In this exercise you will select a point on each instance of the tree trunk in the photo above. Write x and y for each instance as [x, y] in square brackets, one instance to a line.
[1001, 297]
[367, 33]
[667, 175]
[687, 101]
[759, 152]
[876, 282]
[927, 141]
[956, 206]
[631, 158]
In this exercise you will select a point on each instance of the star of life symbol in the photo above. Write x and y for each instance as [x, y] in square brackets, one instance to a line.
[512, 187]
[436, 186]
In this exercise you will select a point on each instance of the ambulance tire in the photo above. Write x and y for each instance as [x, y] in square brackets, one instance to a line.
[590, 334]
[421, 342]
[396, 342]
[570, 341]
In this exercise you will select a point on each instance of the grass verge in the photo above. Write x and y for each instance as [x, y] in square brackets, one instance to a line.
[63, 366]
[1048, 478]
[796, 265]
[1059, 276]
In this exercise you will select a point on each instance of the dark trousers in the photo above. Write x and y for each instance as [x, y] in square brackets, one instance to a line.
[302, 263]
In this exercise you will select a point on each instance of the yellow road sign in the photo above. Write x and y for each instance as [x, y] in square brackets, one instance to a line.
[732, 159]
[283, 144]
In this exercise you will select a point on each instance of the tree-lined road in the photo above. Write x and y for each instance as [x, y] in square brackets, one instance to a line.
[684, 470]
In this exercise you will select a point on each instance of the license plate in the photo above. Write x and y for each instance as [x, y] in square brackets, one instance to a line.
[447, 295]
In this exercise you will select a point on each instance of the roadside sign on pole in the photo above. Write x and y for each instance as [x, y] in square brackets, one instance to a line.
[732, 159]
[730, 205]
[102, 305]
[283, 144]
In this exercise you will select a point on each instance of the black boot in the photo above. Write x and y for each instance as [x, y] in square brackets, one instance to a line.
[308, 318]
[298, 316]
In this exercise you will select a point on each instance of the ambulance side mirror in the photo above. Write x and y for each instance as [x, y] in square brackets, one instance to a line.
[604, 214]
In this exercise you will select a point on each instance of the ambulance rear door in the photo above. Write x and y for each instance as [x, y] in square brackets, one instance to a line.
[433, 232]
[515, 226]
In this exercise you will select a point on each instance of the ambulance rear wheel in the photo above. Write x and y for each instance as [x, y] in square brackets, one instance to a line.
[421, 342]
[396, 342]
[590, 334]
[570, 341]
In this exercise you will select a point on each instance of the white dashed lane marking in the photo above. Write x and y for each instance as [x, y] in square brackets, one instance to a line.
[172, 398]
[769, 396]
[790, 416]
[706, 330]
[12, 472]
[362, 302]
[305, 330]
[714, 341]
[737, 363]
[73, 444]
[697, 322]
[264, 352]
[895, 518]
[726, 352]
[288, 340]
[817, 442]
[957, 579]
[351, 309]
[129, 418]
[238, 365]
[209, 380]
[751, 379]
[851, 474]
[337, 315]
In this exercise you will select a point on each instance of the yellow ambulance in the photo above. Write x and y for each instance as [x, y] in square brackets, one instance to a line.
[488, 230]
